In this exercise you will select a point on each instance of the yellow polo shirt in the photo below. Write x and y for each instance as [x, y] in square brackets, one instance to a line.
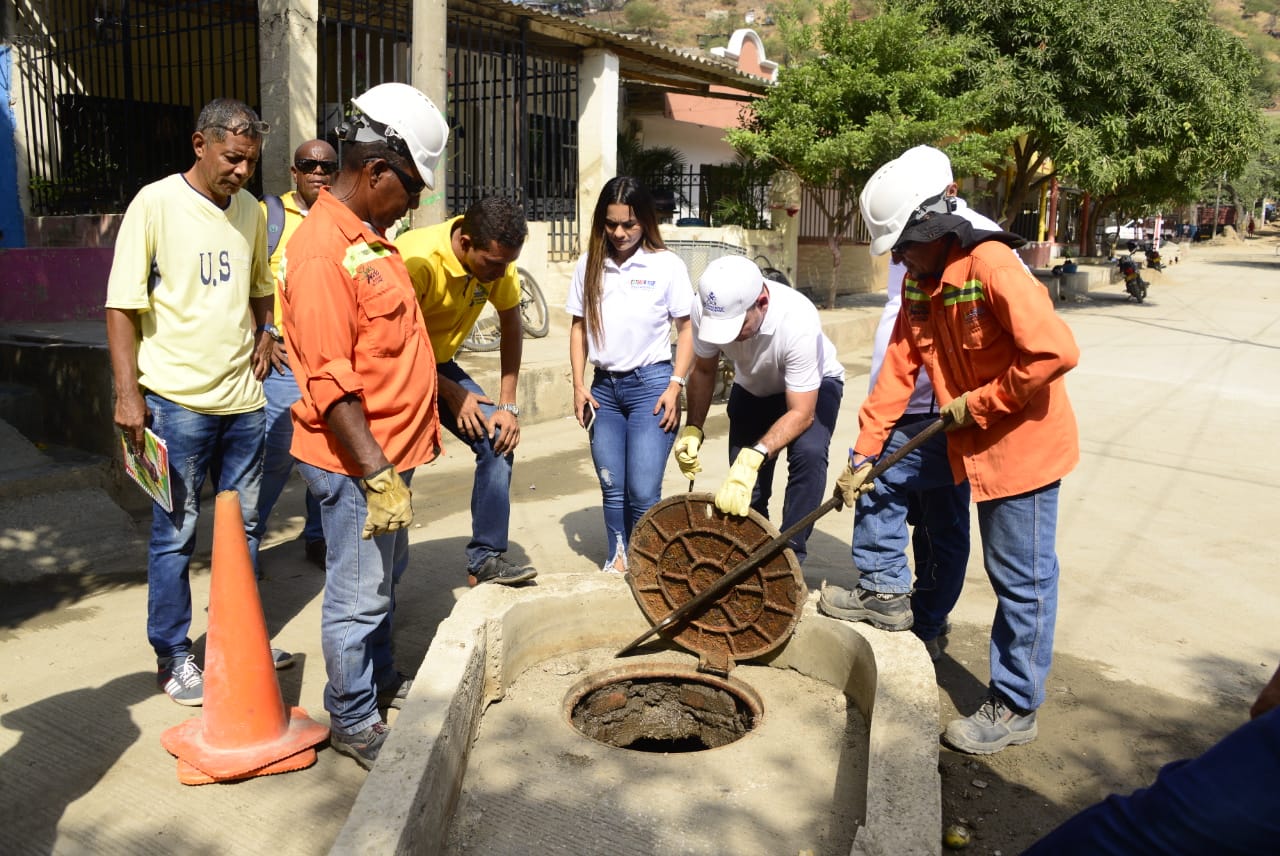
[451, 299]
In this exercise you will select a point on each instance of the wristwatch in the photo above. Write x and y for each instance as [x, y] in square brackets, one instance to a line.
[272, 331]
[513, 409]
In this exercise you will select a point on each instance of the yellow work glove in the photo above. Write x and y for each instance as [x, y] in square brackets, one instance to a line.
[686, 448]
[853, 482]
[734, 496]
[956, 412]
[389, 503]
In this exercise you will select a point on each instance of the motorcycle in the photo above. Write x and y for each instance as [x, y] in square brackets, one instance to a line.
[1134, 284]
[1153, 257]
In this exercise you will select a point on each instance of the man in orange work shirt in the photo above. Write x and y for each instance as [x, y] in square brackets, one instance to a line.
[367, 416]
[986, 332]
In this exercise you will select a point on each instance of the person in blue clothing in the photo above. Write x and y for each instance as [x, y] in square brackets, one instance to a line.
[919, 490]
[1225, 802]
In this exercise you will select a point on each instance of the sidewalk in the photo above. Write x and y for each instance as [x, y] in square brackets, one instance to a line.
[1167, 503]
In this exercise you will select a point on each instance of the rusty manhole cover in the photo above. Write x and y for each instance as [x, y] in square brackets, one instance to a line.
[681, 546]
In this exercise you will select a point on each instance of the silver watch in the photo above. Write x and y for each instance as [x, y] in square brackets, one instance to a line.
[513, 409]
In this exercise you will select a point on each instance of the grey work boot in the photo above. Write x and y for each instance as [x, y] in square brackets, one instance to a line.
[879, 609]
[995, 725]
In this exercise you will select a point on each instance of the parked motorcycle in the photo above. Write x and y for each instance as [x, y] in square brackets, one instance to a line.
[1134, 284]
[1153, 257]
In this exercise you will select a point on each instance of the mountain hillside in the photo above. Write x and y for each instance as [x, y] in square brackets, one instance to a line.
[699, 25]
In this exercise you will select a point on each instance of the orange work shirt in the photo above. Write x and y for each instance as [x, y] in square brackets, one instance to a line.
[986, 327]
[354, 328]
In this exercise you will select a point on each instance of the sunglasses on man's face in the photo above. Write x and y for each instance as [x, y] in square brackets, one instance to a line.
[413, 187]
[309, 165]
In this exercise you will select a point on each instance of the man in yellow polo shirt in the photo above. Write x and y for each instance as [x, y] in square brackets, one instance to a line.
[314, 164]
[457, 266]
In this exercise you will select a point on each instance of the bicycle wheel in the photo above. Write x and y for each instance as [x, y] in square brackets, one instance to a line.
[533, 306]
[486, 334]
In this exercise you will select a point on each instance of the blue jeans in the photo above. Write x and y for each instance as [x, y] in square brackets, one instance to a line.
[277, 464]
[1018, 536]
[751, 416]
[230, 449]
[920, 490]
[629, 447]
[1227, 801]
[491, 490]
[359, 600]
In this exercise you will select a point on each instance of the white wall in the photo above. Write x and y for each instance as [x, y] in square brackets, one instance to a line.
[700, 145]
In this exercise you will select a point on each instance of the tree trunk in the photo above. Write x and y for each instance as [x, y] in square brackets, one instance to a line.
[833, 243]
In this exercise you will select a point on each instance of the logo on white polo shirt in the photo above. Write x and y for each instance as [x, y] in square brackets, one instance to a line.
[646, 284]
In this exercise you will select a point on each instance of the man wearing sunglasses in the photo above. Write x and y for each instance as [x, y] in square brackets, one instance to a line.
[314, 165]
[986, 332]
[367, 414]
[189, 285]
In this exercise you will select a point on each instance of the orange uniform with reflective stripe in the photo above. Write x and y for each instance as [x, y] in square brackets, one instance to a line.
[986, 327]
[354, 328]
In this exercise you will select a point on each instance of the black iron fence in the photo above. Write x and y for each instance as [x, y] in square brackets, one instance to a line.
[733, 194]
[111, 91]
[513, 112]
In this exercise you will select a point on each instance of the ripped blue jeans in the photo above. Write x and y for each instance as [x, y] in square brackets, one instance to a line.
[629, 447]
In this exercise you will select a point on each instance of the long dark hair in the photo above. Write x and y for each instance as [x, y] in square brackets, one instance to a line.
[621, 190]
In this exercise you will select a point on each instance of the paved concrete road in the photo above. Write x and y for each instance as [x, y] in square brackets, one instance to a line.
[1168, 576]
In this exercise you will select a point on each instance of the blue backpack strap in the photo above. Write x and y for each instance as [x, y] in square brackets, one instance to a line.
[275, 222]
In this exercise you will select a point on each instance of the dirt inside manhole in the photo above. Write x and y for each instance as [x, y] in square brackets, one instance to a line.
[661, 711]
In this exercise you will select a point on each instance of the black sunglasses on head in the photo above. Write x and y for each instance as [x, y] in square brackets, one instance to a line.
[307, 165]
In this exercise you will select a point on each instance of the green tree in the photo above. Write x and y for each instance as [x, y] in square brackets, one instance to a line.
[645, 17]
[1136, 119]
[861, 93]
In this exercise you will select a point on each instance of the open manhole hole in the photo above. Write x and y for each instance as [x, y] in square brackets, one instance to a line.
[664, 709]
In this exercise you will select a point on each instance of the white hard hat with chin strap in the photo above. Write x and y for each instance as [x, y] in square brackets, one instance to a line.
[910, 185]
[407, 120]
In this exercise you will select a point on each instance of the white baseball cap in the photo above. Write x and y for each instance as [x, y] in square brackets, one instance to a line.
[727, 289]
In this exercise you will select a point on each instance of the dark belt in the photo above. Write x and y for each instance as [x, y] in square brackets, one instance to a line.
[608, 373]
[913, 418]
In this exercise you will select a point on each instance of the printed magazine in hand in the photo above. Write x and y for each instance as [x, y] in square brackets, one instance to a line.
[150, 469]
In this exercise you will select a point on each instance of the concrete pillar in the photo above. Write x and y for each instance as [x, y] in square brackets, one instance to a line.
[597, 132]
[428, 72]
[287, 68]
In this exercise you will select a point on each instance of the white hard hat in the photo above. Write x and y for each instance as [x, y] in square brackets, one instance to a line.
[398, 113]
[897, 189]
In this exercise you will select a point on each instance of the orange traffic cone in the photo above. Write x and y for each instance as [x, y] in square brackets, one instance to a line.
[245, 730]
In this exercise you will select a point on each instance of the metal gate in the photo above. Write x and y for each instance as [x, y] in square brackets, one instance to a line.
[513, 112]
[111, 90]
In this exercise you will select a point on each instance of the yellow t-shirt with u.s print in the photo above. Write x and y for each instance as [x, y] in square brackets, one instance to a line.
[189, 268]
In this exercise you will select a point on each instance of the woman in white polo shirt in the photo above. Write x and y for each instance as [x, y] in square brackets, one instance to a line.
[627, 290]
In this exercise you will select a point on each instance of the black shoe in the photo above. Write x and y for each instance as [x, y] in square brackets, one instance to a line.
[935, 646]
[316, 551]
[363, 745]
[396, 692]
[497, 569]
[994, 726]
[879, 609]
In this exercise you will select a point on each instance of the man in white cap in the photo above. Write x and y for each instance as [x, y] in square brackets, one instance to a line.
[786, 391]
[987, 334]
[367, 416]
[919, 489]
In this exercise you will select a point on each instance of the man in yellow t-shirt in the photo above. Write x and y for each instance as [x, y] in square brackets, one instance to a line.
[314, 164]
[189, 301]
[457, 266]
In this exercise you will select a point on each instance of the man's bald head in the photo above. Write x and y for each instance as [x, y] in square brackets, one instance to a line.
[314, 165]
